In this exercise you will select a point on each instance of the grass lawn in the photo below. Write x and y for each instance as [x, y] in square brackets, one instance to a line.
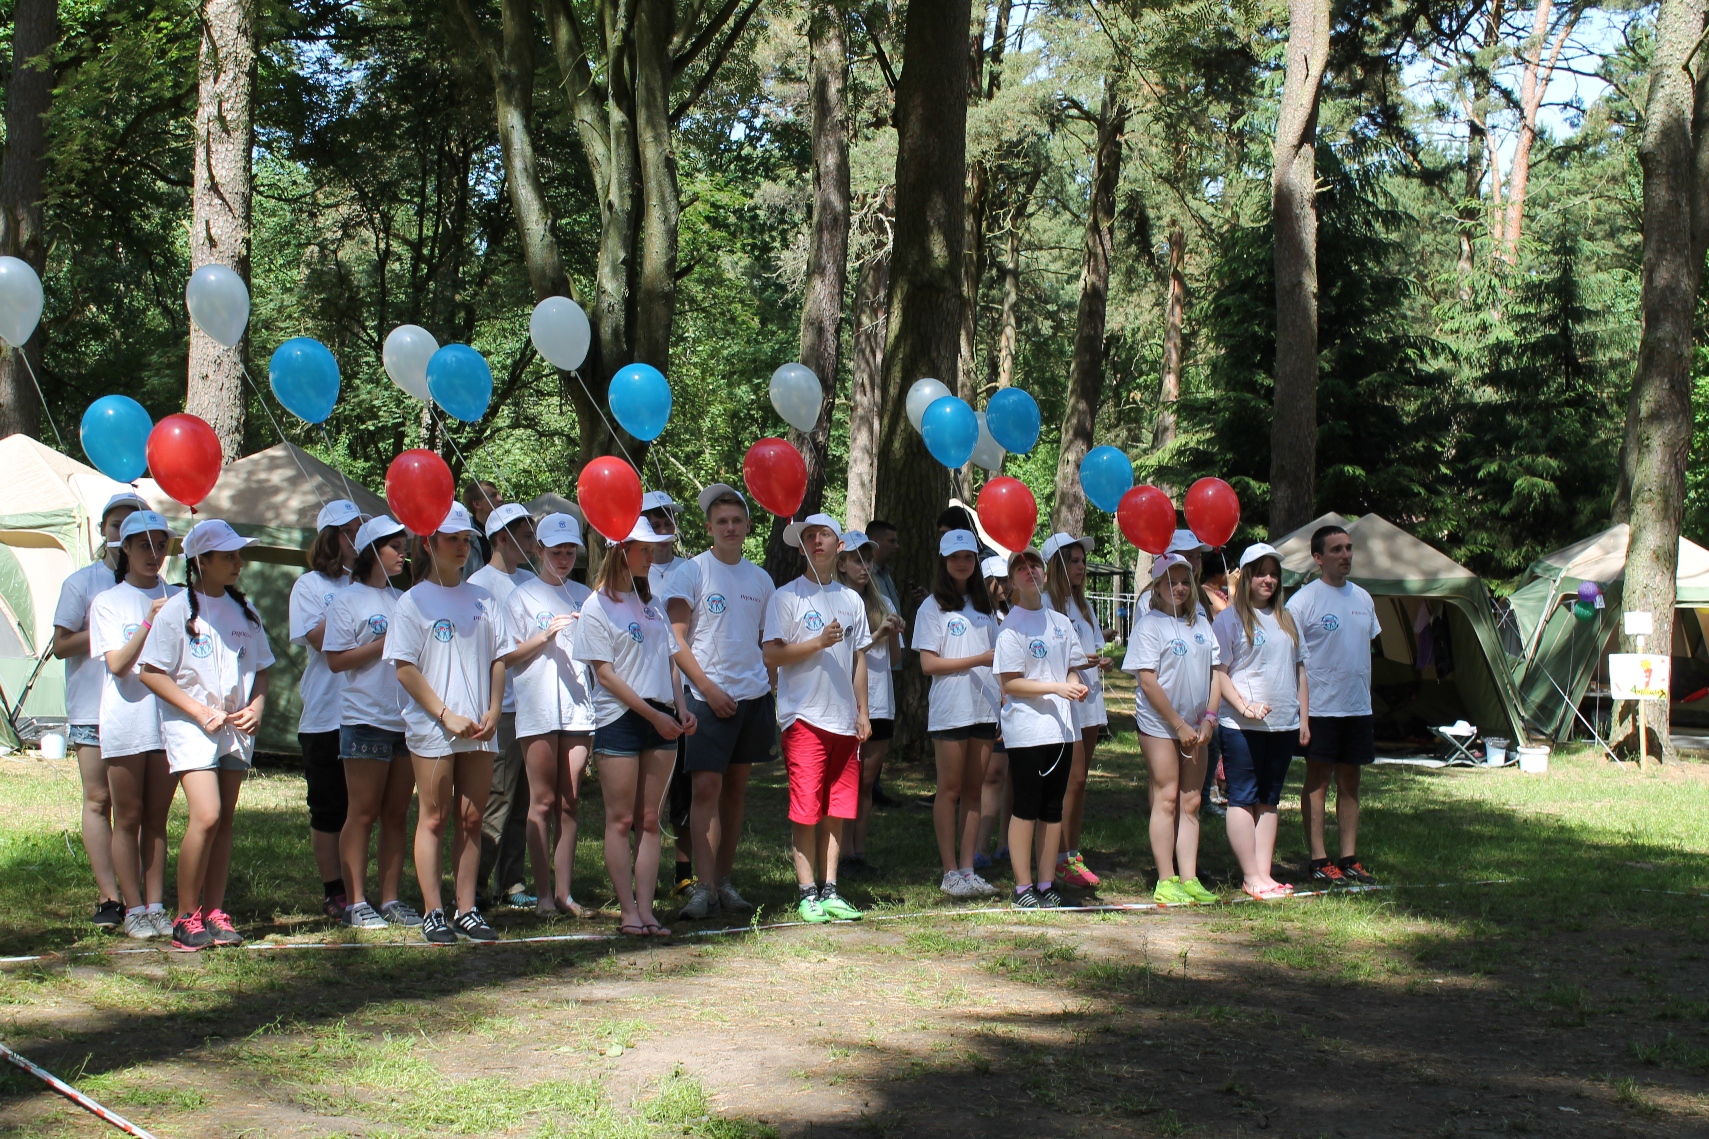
[1570, 1000]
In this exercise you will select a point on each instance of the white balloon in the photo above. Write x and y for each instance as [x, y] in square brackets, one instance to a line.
[20, 301]
[987, 453]
[407, 350]
[921, 396]
[560, 332]
[218, 301]
[796, 394]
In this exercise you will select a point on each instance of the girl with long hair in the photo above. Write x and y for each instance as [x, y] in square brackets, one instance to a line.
[1065, 588]
[854, 569]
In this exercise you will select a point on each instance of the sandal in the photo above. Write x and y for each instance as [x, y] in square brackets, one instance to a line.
[1274, 894]
[632, 929]
[654, 929]
[576, 910]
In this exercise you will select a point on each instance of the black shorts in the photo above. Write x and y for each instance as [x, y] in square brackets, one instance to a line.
[1040, 779]
[1342, 739]
[749, 736]
[323, 772]
[882, 730]
[965, 732]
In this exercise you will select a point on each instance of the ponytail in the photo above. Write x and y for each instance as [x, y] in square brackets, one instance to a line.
[122, 567]
[192, 571]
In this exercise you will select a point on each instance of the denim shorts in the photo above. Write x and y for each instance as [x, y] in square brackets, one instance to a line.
[359, 741]
[966, 732]
[84, 735]
[230, 761]
[632, 734]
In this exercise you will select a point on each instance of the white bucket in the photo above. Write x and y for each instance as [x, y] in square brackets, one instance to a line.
[53, 746]
[1534, 760]
[1495, 751]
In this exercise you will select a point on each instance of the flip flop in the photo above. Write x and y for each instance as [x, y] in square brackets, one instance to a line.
[635, 929]
[576, 910]
[1274, 894]
[654, 929]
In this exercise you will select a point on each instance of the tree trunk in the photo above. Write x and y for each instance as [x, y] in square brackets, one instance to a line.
[1471, 212]
[972, 272]
[1007, 337]
[220, 204]
[655, 294]
[827, 260]
[1533, 87]
[1293, 430]
[1086, 371]
[923, 337]
[866, 373]
[1674, 154]
[1174, 311]
[29, 96]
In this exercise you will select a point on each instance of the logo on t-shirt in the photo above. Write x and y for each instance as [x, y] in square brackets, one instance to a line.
[649, 613]
[1178, 647]
[635, 633]
[956, 626]
[1258, 638]
[130, 631]
[1039, 649]
[715, 603]
[443, 630]
[813, 621]
[1331, 622]
[377, 624]
[327, 600]
[1059, 632]
[1198, 638]
[542, 619]
[201, 646]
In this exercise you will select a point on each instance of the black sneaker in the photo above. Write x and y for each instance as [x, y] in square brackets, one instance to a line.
[1355, 873]
[219, 927]
[1327, 874]
[1026, 899]
[436, 930]
[190, 934]
[335, 906]
[109, 914]
[1048, 898]
[473, 926]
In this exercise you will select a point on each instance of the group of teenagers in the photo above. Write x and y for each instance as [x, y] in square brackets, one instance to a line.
[484, 689]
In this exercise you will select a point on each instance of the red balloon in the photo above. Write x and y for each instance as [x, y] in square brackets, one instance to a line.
[184, 457]
[1213, 511]
[419, 489]
[776, 476]
[609, 492]
[1008, 512]
[1147, 518]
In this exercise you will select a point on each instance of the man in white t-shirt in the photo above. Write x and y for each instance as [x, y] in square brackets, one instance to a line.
[83, 701]
[717, 603]
[816, 636]
[504, 827]
[1337, 621]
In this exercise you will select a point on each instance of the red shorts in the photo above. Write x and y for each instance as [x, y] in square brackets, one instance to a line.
[824, 773]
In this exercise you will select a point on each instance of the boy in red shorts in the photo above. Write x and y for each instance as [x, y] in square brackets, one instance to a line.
[816, 636]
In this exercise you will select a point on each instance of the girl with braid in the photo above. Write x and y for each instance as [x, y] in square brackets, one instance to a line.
[206, 660]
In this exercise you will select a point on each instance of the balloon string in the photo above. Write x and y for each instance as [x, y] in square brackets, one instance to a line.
[290, 447]
[445, 431]
[327, 439]
[616, 436]
[25, 357]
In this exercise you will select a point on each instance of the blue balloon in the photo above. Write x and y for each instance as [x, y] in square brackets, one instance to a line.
[1012, 418]
[1105, 475]
[305, 378]
[460, 382]
[115, 437]
[641, 400]
[951, 431]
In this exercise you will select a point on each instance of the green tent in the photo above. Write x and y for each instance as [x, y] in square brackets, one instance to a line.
[1433, 611]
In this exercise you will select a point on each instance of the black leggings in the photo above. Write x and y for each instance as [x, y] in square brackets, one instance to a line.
[1040, 778]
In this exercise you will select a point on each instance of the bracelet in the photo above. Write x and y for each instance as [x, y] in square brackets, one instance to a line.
[443, 708]
[148, 624]
[1208, 718]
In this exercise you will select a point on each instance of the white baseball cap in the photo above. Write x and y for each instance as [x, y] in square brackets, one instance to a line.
[338, 512]
[141, 522]
[994, 566]
[658, 500]
[644, 532]
[1059, 541]
[1162, 565]
[457, 521]
[1022, 555]
[1259, 550]
[214, 536]
[792, 532]
[376, 530]
[955, 541]
[123, 498]
[716, 491]
[504, 515]
[1185, 540]
[559, 530]
[854, 540]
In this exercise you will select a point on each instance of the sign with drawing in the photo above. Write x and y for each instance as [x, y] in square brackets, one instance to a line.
[1639, 676]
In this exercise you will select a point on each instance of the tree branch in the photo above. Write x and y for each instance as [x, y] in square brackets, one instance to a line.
[681, 57]
[717, 62]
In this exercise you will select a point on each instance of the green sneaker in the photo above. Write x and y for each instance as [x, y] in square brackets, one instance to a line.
[811, 910]
[839, 909]
[1170, 893]
[1195, 890]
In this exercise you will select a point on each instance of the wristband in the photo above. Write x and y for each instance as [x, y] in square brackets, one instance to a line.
[1208, 718]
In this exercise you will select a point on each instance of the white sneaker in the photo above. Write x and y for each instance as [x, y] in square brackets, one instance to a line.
[979, 887]
[139, 927]
[956, 885]
[162, 922]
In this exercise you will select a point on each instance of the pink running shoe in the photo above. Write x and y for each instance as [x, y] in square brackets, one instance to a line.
[1072, 869]
[219, 925]
[190, 934]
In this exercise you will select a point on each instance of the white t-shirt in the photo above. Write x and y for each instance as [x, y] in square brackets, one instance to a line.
[555, 692]
[451, 634]
[957, 698]
[1183, 656]
[216, 668]
[636, 640]
[880, 685]
[1040, 644]
[728, 606]
[660, 578]
[819, 689]
[83, 683]
[130, 713]
[1089, 712]
[1337, 626]
[322, 689]
[1263, 670]
[372, 697]
[500, 585]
